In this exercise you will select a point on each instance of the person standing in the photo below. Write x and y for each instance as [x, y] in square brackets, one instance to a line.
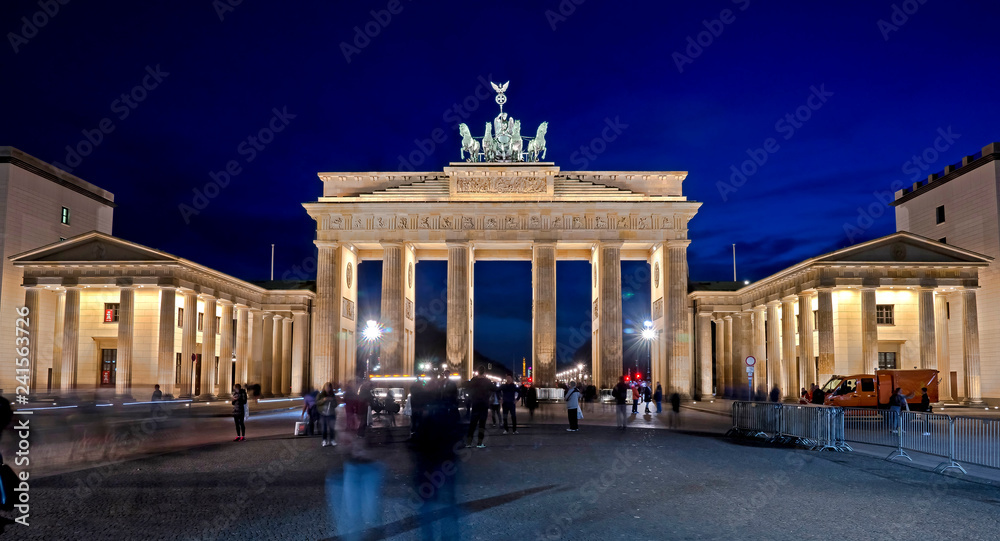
[479, 400]
[818, 396]
[635, 399]
[658, 397]
[531, 401]
[573, 407]
[495, 407]
[157, 393]
[326, 405]
[309, 408]
[647, 396]
[620, 394]
[675, 410]
[391, 407]
[239, 403]
[508, 401]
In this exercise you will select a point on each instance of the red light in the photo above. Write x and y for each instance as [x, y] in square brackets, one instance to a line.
[627, 378]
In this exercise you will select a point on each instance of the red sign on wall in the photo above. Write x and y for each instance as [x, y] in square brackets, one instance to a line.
[109, 315]
[105, 377]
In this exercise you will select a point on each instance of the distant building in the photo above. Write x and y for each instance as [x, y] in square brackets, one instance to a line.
[41, 205]
[959, 206]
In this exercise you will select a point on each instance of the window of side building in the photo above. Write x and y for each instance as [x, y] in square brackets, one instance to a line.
[201, 321]
[64, 217]
[180, 317]
[884, 314]
[940, 214]
[111, 312]
[177, 371]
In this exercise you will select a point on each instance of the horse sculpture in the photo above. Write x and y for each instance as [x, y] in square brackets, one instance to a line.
[489, 146]
[516, 143]
[469, 144]
[536, 146]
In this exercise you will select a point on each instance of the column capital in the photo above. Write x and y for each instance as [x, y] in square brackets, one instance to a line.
[124, 282]
[760, 308]
[326, 244]
[299, 313]
[729, 317]
[392, 243]
[678, 243]
[805, 294]
[206, 296]
[773, 303]
[609, 244]
[225, 302]
[458, 244]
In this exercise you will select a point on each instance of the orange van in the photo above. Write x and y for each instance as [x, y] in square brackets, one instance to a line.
[868, 391]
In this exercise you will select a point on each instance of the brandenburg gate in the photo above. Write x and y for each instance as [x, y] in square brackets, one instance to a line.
[502, 203]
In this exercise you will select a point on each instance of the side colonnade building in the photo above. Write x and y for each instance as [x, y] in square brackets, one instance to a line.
[115, 317]
[898, 302]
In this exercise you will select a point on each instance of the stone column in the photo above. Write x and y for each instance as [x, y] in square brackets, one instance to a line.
[789, 367]
[393, 291]
[277, 350]
[32, 301]
[609, 315]
[225, 350]
[774, 367]
[327, 314]
[746, 344]
[242, 344]
[460, 308]
[679, 337]
[759, 351]
[543, 310]
[869, 331]
[189, 339]
[943, 356]
[57, 340]
[736, 371]
[166, 339]
[300, 339]
[807, 364]
[267, 353]
[208, 350]
[720, 358]
[255, 362]
[824, 316]
[286, 356]
[126, 318]
[970, 347]
[71, 338]
[928, 345]
[727, 356]
[704, 324]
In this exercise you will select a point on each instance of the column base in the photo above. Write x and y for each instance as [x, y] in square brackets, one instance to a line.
[207, 397]
[266, 395]
[972, 402]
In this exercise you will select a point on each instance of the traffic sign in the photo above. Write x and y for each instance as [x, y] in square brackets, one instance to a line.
[750, 360]
[750, 370]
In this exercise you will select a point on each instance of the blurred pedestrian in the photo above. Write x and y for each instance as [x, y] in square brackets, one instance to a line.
[620, 394]
[818, 395]
[897, 404]
[495, 407]
[775, 395]
[675, 410]
[479, 399]
[239, 412]
[508, 401]
[391, 407]
[635, 399]
[309, 409]
[804, 396]
[658, 397]
[647, 396]
[157, 394]
[434, 446]
[531, 401]
[326, 405]
[573, 407]
[355, 495]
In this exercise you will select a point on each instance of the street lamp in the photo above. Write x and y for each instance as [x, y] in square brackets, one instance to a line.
[648, 334]
[371, 335]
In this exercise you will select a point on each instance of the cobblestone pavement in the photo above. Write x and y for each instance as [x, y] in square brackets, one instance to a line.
[545, 483]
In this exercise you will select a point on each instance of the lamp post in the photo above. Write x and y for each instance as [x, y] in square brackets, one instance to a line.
[648, 334]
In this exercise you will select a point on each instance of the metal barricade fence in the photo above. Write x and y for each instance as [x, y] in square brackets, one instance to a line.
[816, 427]
[976, 440]
[927, 433]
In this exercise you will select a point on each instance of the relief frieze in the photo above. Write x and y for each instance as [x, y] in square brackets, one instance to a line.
[502, 184]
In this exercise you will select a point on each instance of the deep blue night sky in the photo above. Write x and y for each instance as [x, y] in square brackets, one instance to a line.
[882, 94]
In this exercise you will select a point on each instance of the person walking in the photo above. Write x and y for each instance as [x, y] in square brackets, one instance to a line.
[620, 394]
[647, 396]
[573, 407]
[309, 408]
[897, 403]
[239, 412]
[479, 400]
[675, 410]
[326, 405]
[531, 401]
[635, 399]
[508, 401]
[495, 407]
[775, 395]
[391, 407]
[157, 393]
[658, 397]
